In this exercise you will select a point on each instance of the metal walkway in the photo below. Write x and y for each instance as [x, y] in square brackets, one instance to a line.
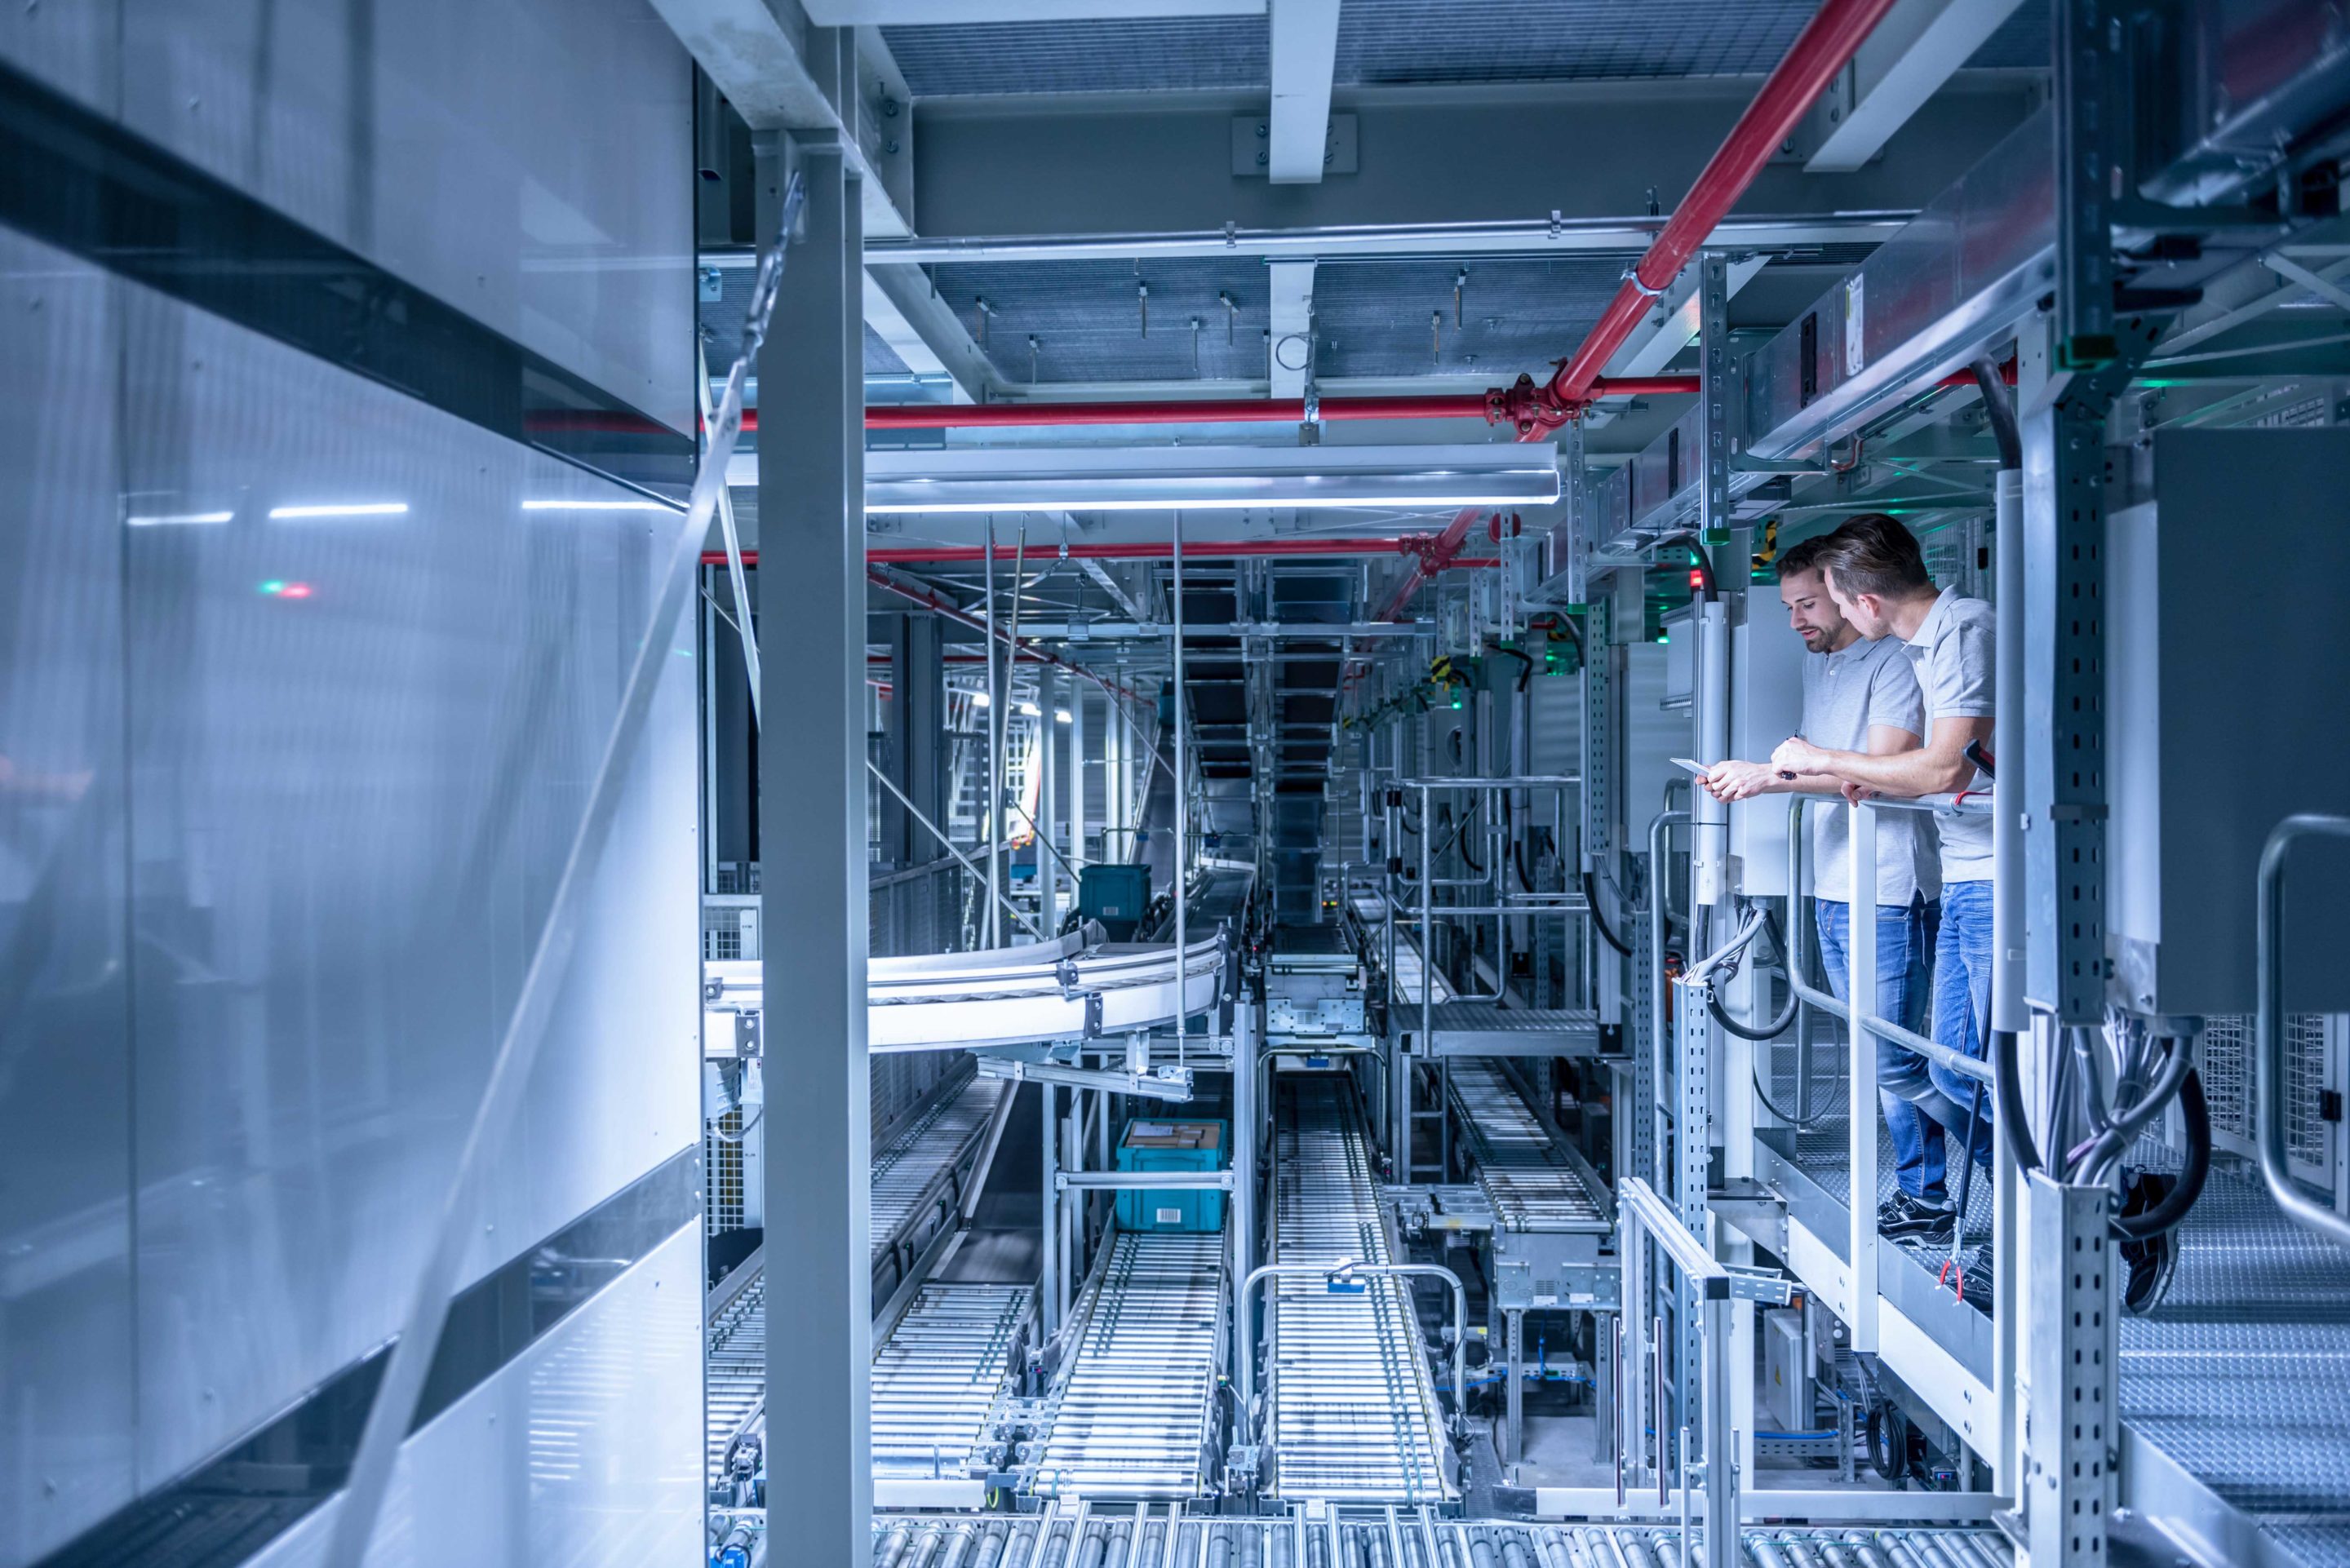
[1382, 1538]
[935, 1378]
[1532, 1184]
[1134, 1412]
[1488, 1029]
[2234, 1386]
[1354, 1414]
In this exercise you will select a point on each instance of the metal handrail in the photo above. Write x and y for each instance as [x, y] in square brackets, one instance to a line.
[1350, 1270]
[2268, 1036]
[1885, 1028]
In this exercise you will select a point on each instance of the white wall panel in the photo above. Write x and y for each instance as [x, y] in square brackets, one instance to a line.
[608, 1472]
[529, 163]
[65, 1056]
[349, 812]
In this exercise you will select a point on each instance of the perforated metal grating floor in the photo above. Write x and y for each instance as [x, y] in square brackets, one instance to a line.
[2241, 1372]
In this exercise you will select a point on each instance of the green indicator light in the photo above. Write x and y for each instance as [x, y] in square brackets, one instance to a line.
[273, 585]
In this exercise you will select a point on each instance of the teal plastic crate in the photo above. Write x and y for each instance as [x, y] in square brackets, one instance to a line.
[1158, 1143]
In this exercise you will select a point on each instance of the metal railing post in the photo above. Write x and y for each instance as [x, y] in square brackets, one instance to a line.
[1860, 995]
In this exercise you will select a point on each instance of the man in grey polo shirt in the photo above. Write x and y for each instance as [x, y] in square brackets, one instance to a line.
[1862, 696]
[1878, 576]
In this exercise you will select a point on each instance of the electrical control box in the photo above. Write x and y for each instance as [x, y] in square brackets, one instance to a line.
[1766, 706]
[1787, 1392]
[2226, 659]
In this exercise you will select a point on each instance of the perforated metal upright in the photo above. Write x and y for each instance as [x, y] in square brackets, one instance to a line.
[2069, 1311]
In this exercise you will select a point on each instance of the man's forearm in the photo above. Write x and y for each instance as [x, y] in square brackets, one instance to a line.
[1913, 773]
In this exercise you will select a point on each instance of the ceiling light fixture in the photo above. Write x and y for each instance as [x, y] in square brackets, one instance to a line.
[1202, 479]
[179, 519]
[347, 509]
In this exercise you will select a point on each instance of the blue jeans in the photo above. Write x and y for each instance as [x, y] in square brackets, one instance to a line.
[1962, 959]
[1918, 1155]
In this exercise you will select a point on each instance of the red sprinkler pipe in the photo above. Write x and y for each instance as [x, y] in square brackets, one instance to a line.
[1215, 410]
[1825, 46]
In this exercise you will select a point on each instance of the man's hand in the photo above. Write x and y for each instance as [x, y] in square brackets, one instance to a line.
[1797, 755]
[1727, 782]
[1854, 793]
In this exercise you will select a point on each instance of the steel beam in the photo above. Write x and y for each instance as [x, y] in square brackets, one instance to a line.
[1916, 50]
[1290, 321]
[1305, 48]
[814, 904]
[1150, 174]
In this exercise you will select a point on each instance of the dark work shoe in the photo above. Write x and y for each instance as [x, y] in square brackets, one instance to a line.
[1904, 1218]
[2148, 1265]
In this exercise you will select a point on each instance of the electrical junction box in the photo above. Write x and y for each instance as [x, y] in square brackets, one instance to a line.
[2227, 656]
[1766, 706]
[1653, 735]
[1162, 1145]
[1787, 1392]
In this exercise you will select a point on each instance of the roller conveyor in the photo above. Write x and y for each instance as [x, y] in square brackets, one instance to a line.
[1132, 1415]
[1405, 982]
[1532, 1184]
[734, 1376]
[1354, 1414]
[935, 1378]
[914, 1169]
[1388, 1538]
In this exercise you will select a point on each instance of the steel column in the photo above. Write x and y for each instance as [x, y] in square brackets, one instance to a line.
[2071, 1357]
[1048, 870]
[814, 909]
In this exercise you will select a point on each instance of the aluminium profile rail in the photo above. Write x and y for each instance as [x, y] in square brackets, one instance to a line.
[1354, 1416]
[1134, 1411]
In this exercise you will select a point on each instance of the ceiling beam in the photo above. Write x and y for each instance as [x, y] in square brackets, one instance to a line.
[1291, 323]
[923, 330]
[1304, 38]
[1669, 328]
[783, 75]
[928, 13]
[1918, 47]
[1127, 172]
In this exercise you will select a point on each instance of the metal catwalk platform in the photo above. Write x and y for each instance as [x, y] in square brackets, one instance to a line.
[1532, 1182]
[1489, 1029]
[1149, 1537]
[2232, 1389]
[935, 1378]
[1354, 1414]
[2235, 1389]
[1133, 1414]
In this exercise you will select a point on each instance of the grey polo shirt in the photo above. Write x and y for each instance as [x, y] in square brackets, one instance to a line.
[1844, 693]
[1953, 651]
